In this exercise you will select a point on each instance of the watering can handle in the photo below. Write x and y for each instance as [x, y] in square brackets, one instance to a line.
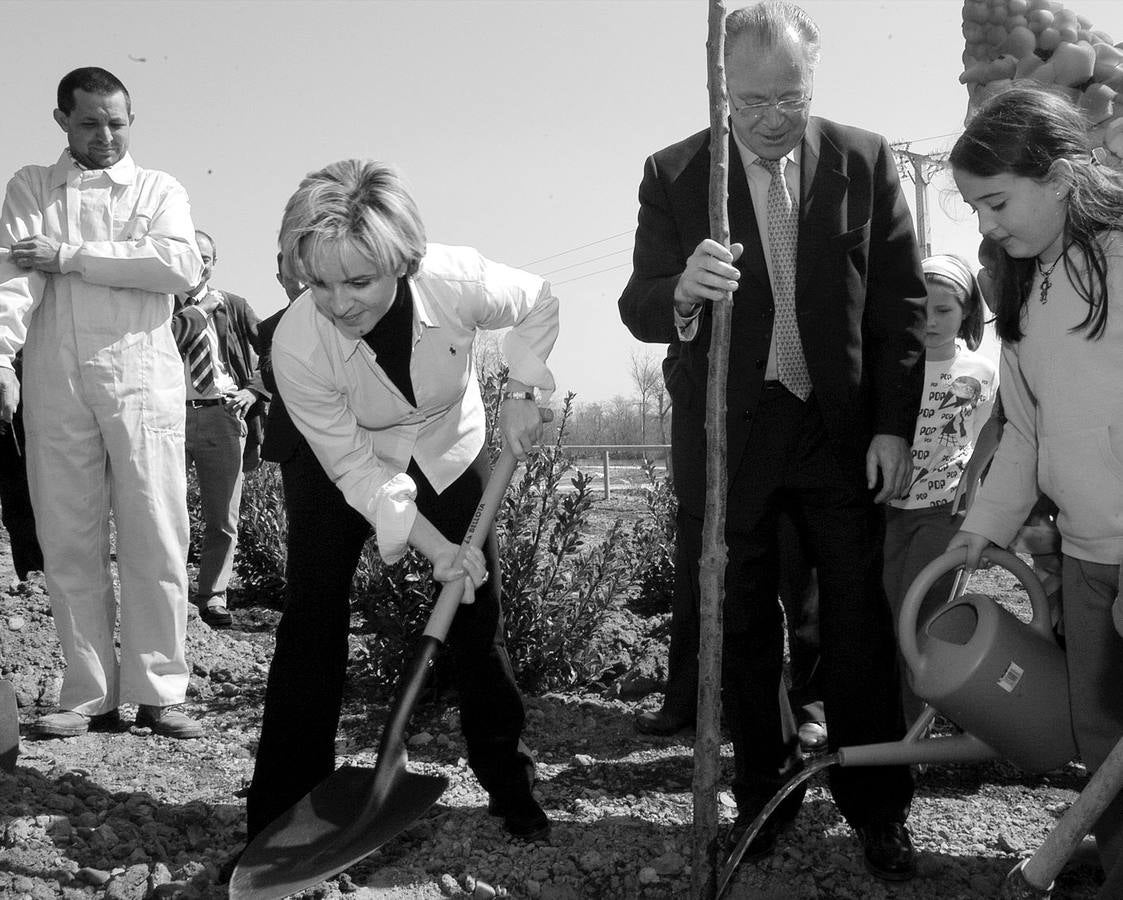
[954, 559]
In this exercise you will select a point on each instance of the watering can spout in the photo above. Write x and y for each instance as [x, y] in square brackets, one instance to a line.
[954, 748]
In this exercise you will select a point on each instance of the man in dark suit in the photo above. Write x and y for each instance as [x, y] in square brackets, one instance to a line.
[824, 386]
[217, 335]
[281, 438]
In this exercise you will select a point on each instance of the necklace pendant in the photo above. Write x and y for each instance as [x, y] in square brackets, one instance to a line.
[1047, 275]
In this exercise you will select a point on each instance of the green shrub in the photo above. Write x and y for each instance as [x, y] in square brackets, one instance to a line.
[557, 590]
[653, 539]
[558, 585]
[194, 515]
[259, 560]
[262, 532]
[393, 603]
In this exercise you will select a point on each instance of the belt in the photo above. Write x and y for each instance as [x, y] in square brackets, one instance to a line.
[195, 404]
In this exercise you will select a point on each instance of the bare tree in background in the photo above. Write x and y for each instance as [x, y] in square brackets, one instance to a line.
[488, 355]
[647, 379]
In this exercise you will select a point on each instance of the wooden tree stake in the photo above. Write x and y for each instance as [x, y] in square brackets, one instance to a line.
[707, 746]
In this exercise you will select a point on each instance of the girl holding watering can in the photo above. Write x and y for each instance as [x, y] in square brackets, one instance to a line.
[1024, 165]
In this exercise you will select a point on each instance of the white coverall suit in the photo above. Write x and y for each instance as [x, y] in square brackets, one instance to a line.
[104, 404]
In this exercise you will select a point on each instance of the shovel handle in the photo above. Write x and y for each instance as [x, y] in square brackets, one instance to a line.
[440, 619]
[1102, 788]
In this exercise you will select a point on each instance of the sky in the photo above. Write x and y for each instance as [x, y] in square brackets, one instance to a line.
[522, 127]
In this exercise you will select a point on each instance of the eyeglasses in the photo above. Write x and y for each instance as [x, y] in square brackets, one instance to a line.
[789, 107]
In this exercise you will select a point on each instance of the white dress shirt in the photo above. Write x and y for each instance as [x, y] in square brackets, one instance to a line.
[361, 428]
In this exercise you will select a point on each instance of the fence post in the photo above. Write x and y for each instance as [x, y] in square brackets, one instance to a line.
[607, 484]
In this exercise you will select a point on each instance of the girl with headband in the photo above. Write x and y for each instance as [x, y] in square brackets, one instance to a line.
[959, 391]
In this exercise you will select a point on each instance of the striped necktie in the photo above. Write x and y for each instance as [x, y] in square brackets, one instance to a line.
[200, 364]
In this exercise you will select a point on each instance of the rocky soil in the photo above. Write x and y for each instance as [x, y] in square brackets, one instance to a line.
[131, 815]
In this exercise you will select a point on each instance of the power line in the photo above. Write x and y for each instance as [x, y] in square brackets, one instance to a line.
[935, 137]
[589, 274]
[896, 145]
[575, 249]
[586, 261]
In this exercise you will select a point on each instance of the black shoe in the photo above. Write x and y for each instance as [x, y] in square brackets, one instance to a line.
[888, 850]
[765, 841]
[523, 818]
[216, 615]
[660, 723]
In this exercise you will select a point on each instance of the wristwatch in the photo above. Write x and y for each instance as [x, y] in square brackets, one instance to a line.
[516, 395]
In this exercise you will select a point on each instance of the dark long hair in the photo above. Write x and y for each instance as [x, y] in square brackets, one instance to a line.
[1024, 131]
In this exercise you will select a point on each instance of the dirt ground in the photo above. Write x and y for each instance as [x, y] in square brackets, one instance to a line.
[128, 815]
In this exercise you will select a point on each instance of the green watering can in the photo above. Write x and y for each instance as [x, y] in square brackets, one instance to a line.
[1000, 679]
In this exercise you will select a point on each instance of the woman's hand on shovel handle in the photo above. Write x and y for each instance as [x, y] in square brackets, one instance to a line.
[451, 562]
[458, 561]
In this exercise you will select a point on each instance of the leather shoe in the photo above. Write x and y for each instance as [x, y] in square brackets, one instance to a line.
[69, 723]
[660, 723]
[523, 818]
[168, 721]
[215, 613]
[888, 850]
[812, 736]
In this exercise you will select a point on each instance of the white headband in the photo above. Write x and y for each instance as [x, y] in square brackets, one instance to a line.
[952, 269]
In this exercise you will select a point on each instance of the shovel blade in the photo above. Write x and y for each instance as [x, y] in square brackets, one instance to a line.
[9, 727]
[332, 827]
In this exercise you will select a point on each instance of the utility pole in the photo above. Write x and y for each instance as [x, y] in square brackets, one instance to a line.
[919, 169]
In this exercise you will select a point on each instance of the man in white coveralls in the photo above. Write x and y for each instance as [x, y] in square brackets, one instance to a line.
[94, 247]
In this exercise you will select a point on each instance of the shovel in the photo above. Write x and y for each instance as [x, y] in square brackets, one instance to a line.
[9, 727]
[1033, 877]
[356, 810]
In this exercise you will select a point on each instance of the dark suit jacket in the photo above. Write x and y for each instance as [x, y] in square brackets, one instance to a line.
[281, 435]
[859, 294]
[237, 326]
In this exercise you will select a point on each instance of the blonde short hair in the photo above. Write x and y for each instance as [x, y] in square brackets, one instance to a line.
[360, 202]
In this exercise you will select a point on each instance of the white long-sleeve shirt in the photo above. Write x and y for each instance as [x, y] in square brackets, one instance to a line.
[127, 245]
[1063, 399]
[361, 428]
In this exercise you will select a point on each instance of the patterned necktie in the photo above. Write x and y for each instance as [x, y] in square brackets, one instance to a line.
[200, 366]
[783, 233]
